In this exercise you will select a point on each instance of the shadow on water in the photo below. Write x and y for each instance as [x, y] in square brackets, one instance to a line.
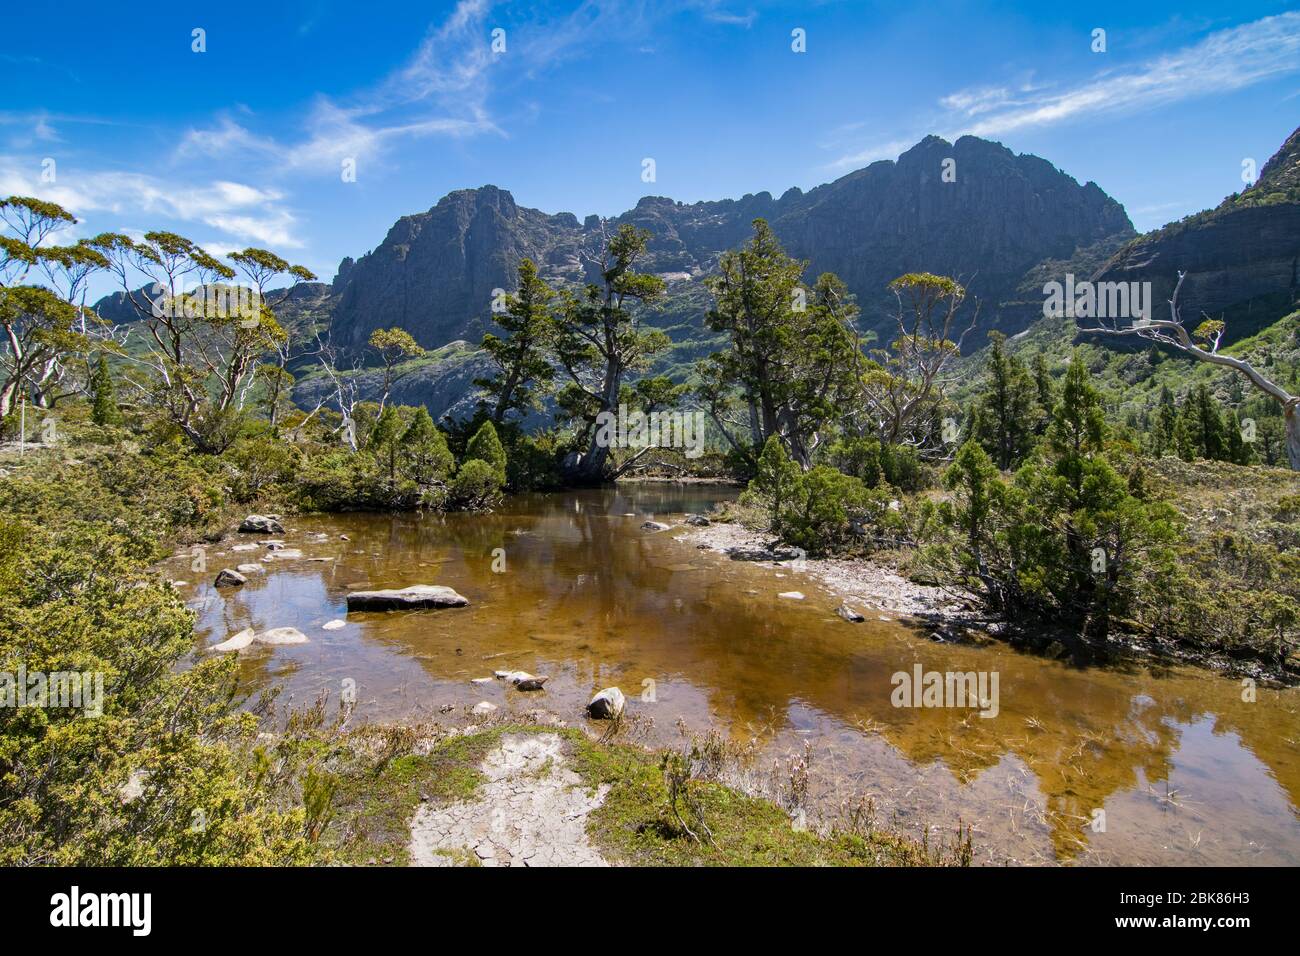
[1083, 765]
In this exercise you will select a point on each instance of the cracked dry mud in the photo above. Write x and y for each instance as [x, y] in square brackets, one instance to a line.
[531, 811]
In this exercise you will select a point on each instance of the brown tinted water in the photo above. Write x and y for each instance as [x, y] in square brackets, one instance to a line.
[1185, 771]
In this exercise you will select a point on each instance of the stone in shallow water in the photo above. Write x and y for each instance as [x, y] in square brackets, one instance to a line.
[228, 578]
[482, 708]
[260, 524]
[530, 683]
[607, 704]
[791, 595]
[249, 568]
[849, 614]
[282, 635]
[286, 554]
[398, 599]
[334, 625]
[236, 642]
[654, 526]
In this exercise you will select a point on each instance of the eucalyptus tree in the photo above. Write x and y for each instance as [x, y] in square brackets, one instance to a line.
[43, 326]
[902, 391]
[202, 336]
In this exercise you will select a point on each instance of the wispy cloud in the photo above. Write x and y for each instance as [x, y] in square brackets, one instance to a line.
[240, 211]
[1224, 61]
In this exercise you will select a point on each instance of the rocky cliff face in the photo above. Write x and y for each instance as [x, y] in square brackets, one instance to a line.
[435, 272]
[1242, 258]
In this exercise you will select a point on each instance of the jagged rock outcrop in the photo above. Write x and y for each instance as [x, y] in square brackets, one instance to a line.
[435, 272]
[1242, 258]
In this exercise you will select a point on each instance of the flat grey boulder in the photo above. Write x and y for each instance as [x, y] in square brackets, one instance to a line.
[249, 568]
[260, 524]
[698, 520]
[655, 526]
[482, 708]
[227, 578]
[607, 704]
[282, 635]
[849, 614]
[400, 599]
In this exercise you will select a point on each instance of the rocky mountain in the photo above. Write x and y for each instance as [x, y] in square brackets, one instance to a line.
[971, 209]
[1242, 258]
[994, 217]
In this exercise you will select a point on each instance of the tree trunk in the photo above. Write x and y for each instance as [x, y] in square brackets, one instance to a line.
[1292, 417]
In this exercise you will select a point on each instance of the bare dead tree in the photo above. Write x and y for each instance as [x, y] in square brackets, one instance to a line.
[1203, 346]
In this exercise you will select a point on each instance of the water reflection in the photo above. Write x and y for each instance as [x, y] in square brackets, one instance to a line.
[1184, 770]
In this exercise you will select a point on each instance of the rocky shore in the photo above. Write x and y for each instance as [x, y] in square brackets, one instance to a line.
[859, 583]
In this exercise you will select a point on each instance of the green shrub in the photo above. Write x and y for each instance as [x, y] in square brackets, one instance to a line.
[477, 486]
[486, 446]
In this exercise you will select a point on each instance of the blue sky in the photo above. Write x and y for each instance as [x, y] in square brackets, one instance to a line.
[244, 144]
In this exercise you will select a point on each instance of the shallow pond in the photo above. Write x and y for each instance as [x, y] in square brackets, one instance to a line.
[1185, 771]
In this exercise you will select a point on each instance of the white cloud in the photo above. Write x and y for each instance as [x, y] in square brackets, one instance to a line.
[1224, 61]
[241, 211]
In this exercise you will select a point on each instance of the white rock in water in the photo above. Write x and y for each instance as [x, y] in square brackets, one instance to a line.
[235, 643]
[334, 625]
[398, 599]
[282, 635]
[481, 680]
[249, 568]
[849, 614]
[791, 595]
[228, 578]
[607, 704]
[285, 554]
[482, 709]
[244, 547]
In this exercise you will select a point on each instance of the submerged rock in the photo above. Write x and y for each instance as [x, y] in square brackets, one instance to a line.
[334, 625]
[227, 578]
[282, 635]
[655, 526]
[399, 599]
[607, 704]
[249, 568]
[482, 708]
[530, 683]
[260, 524]
[285, 554]
[849, 614]
[791, 595]
[236, 642]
